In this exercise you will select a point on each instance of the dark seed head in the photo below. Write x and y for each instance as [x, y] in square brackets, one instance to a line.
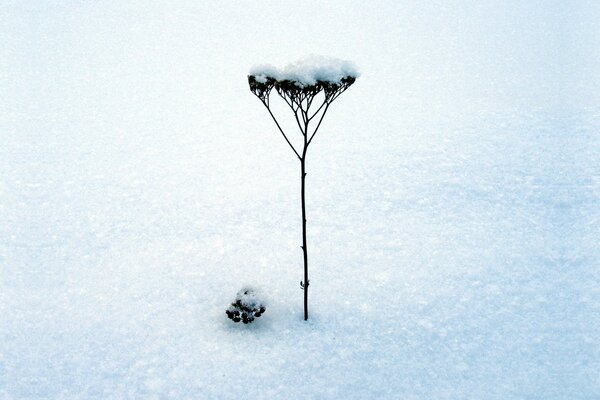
[236, 319]
[262, 310]
[257, 314]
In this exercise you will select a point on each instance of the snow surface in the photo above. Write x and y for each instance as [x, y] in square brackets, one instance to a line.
[453, 199]
[308, 71]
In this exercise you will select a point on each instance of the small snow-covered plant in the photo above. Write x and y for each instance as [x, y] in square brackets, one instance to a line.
[246, 307]
[308, 87]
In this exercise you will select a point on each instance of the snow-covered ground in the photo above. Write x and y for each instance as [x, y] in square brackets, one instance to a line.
[453, 202]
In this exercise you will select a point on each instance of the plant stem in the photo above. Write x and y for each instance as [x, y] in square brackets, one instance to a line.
[304, 249]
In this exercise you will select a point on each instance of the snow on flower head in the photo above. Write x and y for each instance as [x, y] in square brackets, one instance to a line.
[263, 72]
[313, 69]
[308, 71]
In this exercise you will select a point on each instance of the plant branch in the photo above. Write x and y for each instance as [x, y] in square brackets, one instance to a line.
[305, 120]
[318, 109]
[281, 130]
[298, 121]
[319, 124]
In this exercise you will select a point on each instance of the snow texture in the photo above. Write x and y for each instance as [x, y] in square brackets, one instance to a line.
[308, 71]
[453, 202]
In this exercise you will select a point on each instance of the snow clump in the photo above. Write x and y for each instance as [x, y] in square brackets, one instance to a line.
[263, 72]
[246, 307]
[308, 71]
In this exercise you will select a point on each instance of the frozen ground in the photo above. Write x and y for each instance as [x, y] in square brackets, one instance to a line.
[453, 202]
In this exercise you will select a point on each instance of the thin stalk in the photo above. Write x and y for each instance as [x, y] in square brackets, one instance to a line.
[318, 125]
[304, 247]
[281, 130]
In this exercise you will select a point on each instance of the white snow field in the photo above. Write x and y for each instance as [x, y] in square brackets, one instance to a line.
[453, 200]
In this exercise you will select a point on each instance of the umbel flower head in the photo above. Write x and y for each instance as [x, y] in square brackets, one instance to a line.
[261, 86]
[306, 77]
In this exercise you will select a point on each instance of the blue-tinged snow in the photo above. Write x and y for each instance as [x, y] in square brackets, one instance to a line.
[308, 71]
[453, 202]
